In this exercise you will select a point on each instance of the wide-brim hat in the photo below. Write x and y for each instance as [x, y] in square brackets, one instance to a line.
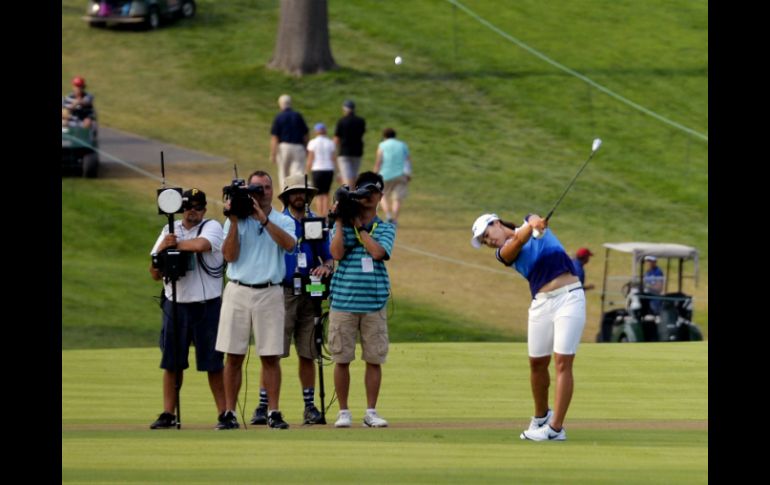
[297, 182]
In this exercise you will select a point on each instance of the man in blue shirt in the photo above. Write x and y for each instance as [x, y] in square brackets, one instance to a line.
[359, 291]
[395, 165]
[307, 257]
[254, 247]
[653, 282]
[288, 139]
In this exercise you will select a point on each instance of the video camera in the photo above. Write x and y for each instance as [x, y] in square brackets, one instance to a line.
[240, 196]
[348, 205]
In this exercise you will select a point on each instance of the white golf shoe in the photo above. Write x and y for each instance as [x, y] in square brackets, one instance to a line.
[373, 420]
[545, 433]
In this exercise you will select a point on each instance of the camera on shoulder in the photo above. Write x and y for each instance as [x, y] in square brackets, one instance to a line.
[348, 202]
[240, 196]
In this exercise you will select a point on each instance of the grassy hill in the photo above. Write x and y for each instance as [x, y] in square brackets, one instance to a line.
[490, 127]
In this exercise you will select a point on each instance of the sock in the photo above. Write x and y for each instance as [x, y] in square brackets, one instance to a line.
[262, 397]
[308, 395]
[371, 411]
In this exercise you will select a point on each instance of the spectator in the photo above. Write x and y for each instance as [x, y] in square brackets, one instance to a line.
[349, 137]
[198, 296]
[320, 163]
[653, 281]
[582, 257]
[395, 166]
[79, 104]
[288, 137]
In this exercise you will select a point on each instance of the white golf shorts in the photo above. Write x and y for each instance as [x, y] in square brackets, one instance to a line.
[556, 322]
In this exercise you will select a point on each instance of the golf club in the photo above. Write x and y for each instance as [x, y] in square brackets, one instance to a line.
[594, 148]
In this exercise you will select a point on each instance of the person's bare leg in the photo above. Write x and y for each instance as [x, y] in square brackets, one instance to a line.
[540, 380]
[169, 390]
[565, 384]
[232, 379]
[342, 383]
[372, 381]
[271, 374]
[217, 385]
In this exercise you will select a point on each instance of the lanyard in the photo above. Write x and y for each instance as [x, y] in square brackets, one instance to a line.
[358, 236]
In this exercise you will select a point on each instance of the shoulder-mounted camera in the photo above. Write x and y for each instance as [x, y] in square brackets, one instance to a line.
[240, 196]
[348, 202]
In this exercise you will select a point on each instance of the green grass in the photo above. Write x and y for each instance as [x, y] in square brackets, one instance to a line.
[490, 127]
[617, 425]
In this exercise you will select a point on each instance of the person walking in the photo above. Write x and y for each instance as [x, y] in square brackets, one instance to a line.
[288, 137]
[349, 137]
[395, 165]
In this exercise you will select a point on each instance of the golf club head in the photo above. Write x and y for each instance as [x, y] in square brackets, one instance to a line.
[596, 145]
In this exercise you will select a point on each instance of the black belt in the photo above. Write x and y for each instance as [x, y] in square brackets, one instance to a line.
[259, 285]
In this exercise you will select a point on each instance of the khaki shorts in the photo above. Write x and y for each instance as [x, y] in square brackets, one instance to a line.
[373, 328]
[298, 323]
[245, 309]
[349, 167]
[396, 189]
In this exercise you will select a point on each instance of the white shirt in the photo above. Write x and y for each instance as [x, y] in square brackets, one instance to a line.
[323, 148]
[196, 285]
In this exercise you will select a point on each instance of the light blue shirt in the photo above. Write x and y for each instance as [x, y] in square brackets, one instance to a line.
[260, 259]
[394, 155]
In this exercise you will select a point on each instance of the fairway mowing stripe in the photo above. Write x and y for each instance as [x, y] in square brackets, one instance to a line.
[671, 425]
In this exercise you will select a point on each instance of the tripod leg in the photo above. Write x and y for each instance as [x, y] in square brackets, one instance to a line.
[318, 333]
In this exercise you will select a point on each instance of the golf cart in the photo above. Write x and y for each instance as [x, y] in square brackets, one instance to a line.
[147, 13]
[648, 316]
[78, 145]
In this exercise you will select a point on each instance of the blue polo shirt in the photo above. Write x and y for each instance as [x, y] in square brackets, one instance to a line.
[260, 258]
[541, 260]
[289, 126]
[316, 252]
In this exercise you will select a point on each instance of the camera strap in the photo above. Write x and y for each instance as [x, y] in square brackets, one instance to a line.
[371, 233]
[216, 271]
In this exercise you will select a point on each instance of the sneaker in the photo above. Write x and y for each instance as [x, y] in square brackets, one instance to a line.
[545, 433]
[260, 415]
[373, 420]
[535, 423]
[344, 419]
[275, 420]
[313, 416]
[164, 421]
[227, 420]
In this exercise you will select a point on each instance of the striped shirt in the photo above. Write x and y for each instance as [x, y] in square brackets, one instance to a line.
[352, 289]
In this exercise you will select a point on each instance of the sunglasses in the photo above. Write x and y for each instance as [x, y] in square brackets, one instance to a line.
[197, 208]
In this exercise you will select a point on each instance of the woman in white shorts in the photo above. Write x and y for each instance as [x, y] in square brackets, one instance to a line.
[557, 313]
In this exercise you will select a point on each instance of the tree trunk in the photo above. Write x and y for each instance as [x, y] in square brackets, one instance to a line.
[302, 44]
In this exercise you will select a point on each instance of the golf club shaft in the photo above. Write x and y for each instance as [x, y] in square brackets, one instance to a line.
[569, 186]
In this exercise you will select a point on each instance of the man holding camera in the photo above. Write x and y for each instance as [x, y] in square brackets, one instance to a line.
[198, 299]
[361, 242]
[307, 258]
[254, 247]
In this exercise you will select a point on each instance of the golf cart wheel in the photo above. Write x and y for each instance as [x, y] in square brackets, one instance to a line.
[188, 9]
[90, 165]
[97, 24]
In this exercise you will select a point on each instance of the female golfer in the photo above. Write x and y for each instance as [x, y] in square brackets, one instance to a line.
[557, 313]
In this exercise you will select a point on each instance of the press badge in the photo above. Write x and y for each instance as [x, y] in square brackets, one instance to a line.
[367, 265]
[301, 260]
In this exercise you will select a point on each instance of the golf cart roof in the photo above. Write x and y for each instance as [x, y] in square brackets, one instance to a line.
[659, 250]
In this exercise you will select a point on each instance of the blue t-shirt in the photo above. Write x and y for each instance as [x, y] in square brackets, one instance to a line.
[352, 289]
[394, 155]
[579, 271]
[316, 252]
[541, 260]
[289, 126]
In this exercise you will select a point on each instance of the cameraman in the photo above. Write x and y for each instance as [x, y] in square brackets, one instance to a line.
[199, 300]
[359, 291]
[308, 257]
[254, 247]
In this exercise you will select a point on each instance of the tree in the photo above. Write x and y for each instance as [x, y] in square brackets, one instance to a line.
[302, 44]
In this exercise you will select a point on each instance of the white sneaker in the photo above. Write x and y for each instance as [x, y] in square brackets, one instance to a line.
[344, 419]
[373, 420]
[535, 423]
[545, 433]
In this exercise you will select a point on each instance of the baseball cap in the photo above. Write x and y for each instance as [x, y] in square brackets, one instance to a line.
[479, 226]
[79, 82]
[650, 258]
[319, 127]
[349, 104]
[194, 196]
[583, 252]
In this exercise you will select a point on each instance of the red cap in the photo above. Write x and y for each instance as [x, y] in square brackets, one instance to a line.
[583, 252]
[79, 82]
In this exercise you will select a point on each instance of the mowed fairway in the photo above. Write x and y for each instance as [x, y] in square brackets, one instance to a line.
[639, 415]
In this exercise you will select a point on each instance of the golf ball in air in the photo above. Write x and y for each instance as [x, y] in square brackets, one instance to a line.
[398, 60]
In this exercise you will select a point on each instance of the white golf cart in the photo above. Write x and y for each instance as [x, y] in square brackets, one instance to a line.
[647, 316]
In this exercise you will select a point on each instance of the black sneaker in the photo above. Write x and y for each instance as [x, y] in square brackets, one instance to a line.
[260, 415]
[164, 421]
[227, 420]
[275, 420]
[313, 416]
